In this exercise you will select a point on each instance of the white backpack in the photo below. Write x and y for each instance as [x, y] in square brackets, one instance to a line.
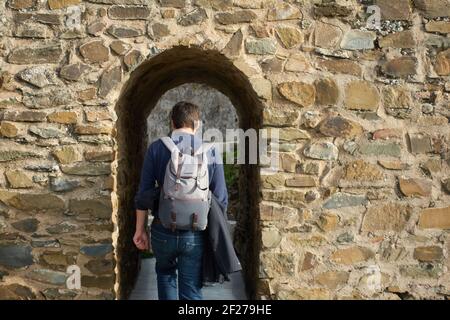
[185, 197]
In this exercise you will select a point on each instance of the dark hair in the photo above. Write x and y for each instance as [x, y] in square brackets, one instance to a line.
[184, 114]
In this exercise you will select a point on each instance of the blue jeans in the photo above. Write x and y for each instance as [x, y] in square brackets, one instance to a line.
[180, 250]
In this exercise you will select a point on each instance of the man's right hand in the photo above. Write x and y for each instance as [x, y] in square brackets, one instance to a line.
[140, 239]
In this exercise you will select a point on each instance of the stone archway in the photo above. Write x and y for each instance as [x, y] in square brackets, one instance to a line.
[139, 95]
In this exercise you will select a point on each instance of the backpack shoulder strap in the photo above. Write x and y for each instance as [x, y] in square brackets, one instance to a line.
[204, 148]
[168, 142]
[202, 154]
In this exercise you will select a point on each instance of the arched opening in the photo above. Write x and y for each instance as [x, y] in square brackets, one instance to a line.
[139, 96]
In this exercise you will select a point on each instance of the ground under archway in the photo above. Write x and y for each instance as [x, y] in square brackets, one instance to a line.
[139, 95]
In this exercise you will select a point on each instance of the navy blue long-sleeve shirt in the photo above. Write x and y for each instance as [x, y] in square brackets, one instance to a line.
[156, 160]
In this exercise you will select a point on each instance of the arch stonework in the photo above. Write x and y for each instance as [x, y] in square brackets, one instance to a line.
[360, 207]
[150, 80]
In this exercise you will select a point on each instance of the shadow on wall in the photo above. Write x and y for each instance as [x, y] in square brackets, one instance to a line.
[139, 96]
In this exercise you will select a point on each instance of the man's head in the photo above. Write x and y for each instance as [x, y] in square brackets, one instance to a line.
[185, 115]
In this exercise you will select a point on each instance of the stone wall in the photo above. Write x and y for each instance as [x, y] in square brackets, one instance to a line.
[360, 208]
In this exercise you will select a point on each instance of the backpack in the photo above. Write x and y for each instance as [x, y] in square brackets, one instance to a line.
[185, 197]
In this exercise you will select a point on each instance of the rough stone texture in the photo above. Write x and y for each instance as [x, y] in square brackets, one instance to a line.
[16, 292]
[428, 254]
[380, 149]
[101, 266]
[327, 35]
[387, 217]
[18, 179]
[442, 64]
[15, 256]
[364, 142]
[328, 222]
[96, 250]
[351, 255]
[301, 181]
[261, 46]
[435, 218]
[332, 279]
[301, 93]
[128, 12]
[194, 17]
[422, 271]
[270, 238]
[26, 225]
[323, 151]
[278, 264]
[235, 17]
[234, 46]
[65, 117]
[94, 52]
[88, 169]
[97, 208]
[401, 67]
[73, 72]
[59, 184]
[291, 134]
[438, 26]
[361, 95]
[38, 76]
[108, 80]
[404, 39]
[96, 28]
[97, 282]
[289, 36]
[386, 134]
[393, 164]
[336, 126]
[330, 9]
[48, 276]
[122, 31]
[305, 293]
[296, 63]
[21, 4]
[39, 54]
[397, 97]
[168, 3]
[8, 129]
[327, 92]
[419, 143]
[59, 4]
[46, 133]
[395, 10]
[119, 47]
[433, 8]
[361, 173]
[341, 66]
[415, 187]
[10, 155]
[62, 227]
[283, 11]
[358, 40]
[67, 154]
[343, 200]
[36, 201]
[292, 197]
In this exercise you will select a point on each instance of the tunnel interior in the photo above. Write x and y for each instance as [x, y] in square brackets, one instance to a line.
[139, 95]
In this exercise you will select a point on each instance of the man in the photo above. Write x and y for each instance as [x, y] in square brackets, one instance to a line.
[180, 250]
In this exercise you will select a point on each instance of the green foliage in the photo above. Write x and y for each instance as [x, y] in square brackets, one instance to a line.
[231, 170]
